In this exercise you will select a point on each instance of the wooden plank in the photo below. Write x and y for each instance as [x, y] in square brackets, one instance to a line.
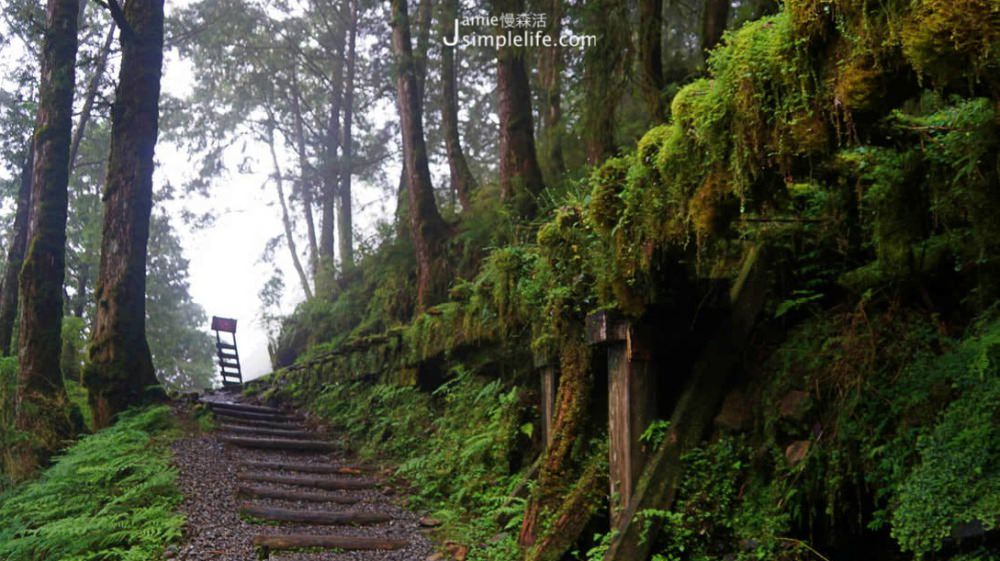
[286, 425]
[243, 407]
[221, 345]
[347, 543]
[304, 496]
[273, 417]
[324, 517]
[280, 444]
[307, 468]
[328, 483]
[264, 431]
[548, 401]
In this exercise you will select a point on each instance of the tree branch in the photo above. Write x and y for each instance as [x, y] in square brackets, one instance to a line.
[119, 16]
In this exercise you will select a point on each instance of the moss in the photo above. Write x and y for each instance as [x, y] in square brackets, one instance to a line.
[949, 40]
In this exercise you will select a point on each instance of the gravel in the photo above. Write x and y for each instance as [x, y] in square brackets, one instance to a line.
[215, 530]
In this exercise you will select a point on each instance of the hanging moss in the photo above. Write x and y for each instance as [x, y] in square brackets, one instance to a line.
[954, 40]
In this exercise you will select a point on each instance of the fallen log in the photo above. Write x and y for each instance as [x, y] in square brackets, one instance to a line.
[307, 468]
[348, 543]
[306, 481]
[304, 496]
[324, 517]
[280, 444]
[288, 433]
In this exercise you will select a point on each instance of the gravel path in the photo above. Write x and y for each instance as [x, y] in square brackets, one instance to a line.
[217, 532]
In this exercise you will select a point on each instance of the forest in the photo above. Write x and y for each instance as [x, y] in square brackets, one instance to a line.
[591, 280]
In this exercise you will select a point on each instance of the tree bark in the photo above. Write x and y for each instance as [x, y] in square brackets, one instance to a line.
[41, 405]
[90, 96]
[428, 230]
[520, 176]
[713, 24]
[463, 182]
[331, 167]
[603, 77]
[286, 220]
[550, 77]
[345, 219]
[305, 175]
[424, 11]
[120, 373]
[651, 56]
[15, 256]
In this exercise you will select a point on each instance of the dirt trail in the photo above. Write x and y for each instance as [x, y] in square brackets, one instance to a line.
[262, 451]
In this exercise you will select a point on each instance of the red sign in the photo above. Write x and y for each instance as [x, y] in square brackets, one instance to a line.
[224, 324]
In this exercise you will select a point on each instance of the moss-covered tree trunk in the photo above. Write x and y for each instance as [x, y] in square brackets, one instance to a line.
[15, 256]
[428, 230]
[345, 218]
[547, 526]
[120, 372]
[41, 405]
[520, 175]
[463, 182]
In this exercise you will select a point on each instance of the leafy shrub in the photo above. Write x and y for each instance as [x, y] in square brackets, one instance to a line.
[111, 497]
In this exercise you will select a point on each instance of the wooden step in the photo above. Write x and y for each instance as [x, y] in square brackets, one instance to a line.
[250, 415]
[329, 483]
[325, 517]
[280, 444]
[307, 468]
[244, 430]
[347, 543]
[243, 407]
[287, 425]
[304, 496]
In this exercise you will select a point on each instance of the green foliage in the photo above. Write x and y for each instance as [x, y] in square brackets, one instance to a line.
[109, 497]
[456, 447]
[8, 389]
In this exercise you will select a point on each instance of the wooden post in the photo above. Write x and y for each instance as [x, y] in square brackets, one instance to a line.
[632, 402]
[549, 386]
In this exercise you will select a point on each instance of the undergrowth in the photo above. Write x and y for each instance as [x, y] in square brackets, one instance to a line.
[110, 497]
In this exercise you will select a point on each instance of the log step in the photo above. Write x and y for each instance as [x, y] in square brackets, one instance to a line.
[287, 433]
[347, 543]
[304, 496]
[272, 417]
[306, 468]
[325, 517]
[342, 483]
[287, 425]
[280, 444]
[245, 407]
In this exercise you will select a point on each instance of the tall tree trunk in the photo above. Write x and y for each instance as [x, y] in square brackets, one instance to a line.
[428, 230]
[120, 373]
[603, 71]
[331, 168]
[305, 175]
[286, 220]
[713, 24]
[80, 302]
[345, 219]
[520, 176]
[651, 78]
[15, 256]
[424, 12]
[41, 405]
[463, 182]
[90, 96]
[550, 77]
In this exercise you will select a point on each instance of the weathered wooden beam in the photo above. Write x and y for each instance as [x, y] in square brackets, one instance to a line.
[249, 415]
[284, 433]
[288, 495]
[329, 483]
[324, 517]
[284, 425]
[245, 407]
[307, 468]
[348, 543]
[280, 444]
